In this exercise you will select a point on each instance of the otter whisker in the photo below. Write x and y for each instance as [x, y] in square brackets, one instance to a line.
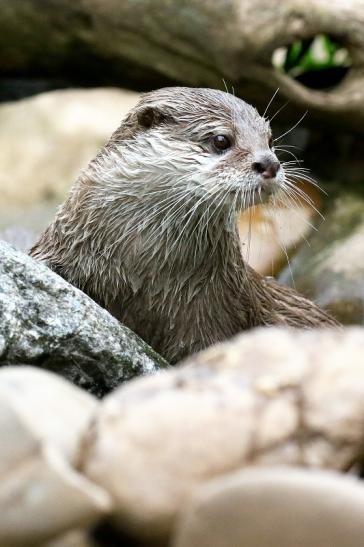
[278, 111]
[301, 195]
[293, 179]
[296, 160]
[293, 162]
[136, 227]
[290, 146]
[189, 216]
[251, 204]
[295, 206]
[225, 86]
[292, 128]
[292, 184]
[270, 102]
[280, 242]
[301, 173]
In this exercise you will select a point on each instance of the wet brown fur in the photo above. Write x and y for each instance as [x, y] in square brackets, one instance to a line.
[201, 293]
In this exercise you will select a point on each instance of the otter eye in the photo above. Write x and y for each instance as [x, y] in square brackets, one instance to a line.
[271, 142]
[221, 142]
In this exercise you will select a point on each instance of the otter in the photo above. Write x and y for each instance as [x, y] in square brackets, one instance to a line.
[149, 230]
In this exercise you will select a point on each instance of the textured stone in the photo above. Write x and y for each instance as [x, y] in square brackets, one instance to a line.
[268, 397]
[47, 322]
[25, 393]
[331, 270]
[42, 422]
[271, 508]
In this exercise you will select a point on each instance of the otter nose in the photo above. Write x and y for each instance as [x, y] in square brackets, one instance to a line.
[267, 166]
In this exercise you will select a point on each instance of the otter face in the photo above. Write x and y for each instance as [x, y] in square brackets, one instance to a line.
[207, 143]
[243, 161]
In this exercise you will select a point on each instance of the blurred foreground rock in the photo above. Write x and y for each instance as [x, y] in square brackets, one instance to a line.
[169, 460]
[275, 508]
[331, 270]
[192, 41]
[46, 322]
[269, 397]
[42, 423]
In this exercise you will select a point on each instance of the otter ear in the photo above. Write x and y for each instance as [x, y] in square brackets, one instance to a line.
[149, 116]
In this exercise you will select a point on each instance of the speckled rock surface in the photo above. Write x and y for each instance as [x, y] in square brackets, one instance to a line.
[44, 321]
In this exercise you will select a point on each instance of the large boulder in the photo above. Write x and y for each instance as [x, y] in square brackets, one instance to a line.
[269, 397]
[46, 322]
[192, 41]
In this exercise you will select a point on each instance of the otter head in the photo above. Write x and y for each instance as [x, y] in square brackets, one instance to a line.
[198, 143]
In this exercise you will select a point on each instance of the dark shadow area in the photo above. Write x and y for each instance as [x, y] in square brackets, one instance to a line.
[324, 79]
[96, 72]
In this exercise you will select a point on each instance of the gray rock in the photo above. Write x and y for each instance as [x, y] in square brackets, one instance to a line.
[47, 322]
[331, 270]
[275, 508]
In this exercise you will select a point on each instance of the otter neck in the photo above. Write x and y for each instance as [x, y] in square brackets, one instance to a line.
[155, 272]
[140, 240]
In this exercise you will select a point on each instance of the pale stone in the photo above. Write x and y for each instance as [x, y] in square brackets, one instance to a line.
[46, 140]
[43, 420]
[43, 497]
[275, 508]
[45, 408]
[268, 397]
